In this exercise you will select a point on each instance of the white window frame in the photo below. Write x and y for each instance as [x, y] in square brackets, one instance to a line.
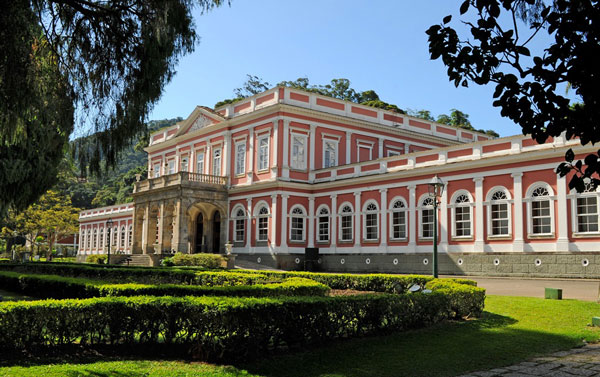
[240, 157]
[393, 152]
[420, 209]
[529, 199]
[185, 163]
[200, 161]
[574, 195]
[95, 238]
[122, 239]
[403, 210]
[365, 214]
[364, 144]
[217, 155]
[89, 239]
[239, 219]
[303, 218]
[258, 216]
[263, 152]
[156, 166]
[341, 215]
[334, 143]
[299, 162]
[115, 236]
[101, 239]
[453, 206]
[326, 216]
[489, 203]
[171, 166]
[130, 235]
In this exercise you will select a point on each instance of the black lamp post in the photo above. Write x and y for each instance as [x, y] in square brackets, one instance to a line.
[109, 224]
[436, 188]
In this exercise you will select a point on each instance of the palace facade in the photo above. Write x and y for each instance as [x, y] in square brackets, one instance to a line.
[286, 170]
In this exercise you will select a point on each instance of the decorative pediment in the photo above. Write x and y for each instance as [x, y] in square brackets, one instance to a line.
[201, 117]
[200, 122]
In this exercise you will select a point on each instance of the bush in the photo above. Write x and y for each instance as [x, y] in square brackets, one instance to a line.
[96, 258]
[213, 328]
[210, 261]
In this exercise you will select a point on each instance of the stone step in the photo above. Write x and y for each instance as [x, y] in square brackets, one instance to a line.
[136, 260]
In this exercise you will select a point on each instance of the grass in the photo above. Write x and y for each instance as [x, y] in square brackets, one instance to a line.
[512, 329]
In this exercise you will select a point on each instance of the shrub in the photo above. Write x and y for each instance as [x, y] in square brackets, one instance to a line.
[213, 328]
[200, 260]
[96, 258]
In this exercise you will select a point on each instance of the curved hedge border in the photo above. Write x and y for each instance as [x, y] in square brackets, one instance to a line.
[222, 328]
[58, 287]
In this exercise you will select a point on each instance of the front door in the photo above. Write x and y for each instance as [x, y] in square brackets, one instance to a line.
[216, 244]
[199, 233]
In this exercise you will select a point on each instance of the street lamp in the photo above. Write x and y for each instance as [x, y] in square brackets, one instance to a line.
[109, 224]
[436, 188]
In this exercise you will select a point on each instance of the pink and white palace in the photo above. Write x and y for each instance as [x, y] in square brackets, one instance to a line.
[285, 171]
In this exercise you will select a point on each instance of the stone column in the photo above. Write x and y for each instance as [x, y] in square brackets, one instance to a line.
[274, 150]
[412, 218]
[357, 212]
[161, 224]
[333, 223]
[444, 220]
[250, 161]
[284, 216]
[274, 219]
[311, 222]
[479, 241]
[145, 224]
[562, 243]
[384, 217]
[249, 221]
[225, 153]
[518, 241]
[285, 171]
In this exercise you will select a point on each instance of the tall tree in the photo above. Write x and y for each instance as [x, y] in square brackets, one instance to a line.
[108, 60]
[529, 88]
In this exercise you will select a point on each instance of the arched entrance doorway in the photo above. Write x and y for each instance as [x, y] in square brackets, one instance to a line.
[199, 233]
[216, 239]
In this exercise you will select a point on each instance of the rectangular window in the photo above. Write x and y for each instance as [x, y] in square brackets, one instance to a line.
[263, 153]
[500, 219]
[399, 225]
[346, 228]
[587, 214]
[171, 167]
[462, 221]
[184, 164]
[391, 153]
[298, 152]
[216, 168]
[427, 223]
[156, 170]
[200, 163]
[240, 158]
[297, 229]
[540, 217]
[329, 153]
[323, 228]
[263, 223]
[371, 226]
[239, 230]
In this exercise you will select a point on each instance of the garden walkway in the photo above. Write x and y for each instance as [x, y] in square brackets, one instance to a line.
[583, 361]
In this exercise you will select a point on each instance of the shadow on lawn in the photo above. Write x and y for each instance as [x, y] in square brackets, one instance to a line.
[446, 349]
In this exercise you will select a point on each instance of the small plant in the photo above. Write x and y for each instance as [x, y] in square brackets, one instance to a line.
[167, 262]
[96, 258]
[198, 260]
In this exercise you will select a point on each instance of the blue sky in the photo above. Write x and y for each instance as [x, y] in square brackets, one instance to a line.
[379, 45]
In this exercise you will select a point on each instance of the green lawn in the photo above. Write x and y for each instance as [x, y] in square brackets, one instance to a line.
[512, 329]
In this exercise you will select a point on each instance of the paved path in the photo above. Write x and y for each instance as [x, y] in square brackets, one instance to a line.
[576, 362]
[579, 289]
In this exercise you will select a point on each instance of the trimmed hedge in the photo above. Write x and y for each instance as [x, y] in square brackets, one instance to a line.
[96, 259]
[58, 287]
[200, 260]
[216, 328]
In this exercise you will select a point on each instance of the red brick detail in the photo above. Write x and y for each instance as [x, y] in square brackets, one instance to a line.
[482, 138]
[324, 174]
[529, 142]
[416, 123]
[157, 137]
[222, 112]
[361, 111]
[393, 118]
[395, 163]
[345, 171]
[172, 132]
[429, 157]
[495, 147]
[444, 130]
[331, 104]
[241, 107]
[466, 135]
[369, 167]
[460, 153]
[298, 97]
[264, 99]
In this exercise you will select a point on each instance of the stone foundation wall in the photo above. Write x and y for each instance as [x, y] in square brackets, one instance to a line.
[547, 265]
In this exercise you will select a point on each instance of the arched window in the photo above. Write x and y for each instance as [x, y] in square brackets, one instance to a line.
[81, 238]
[115, 236]
[540, 209]
[239, 223]
[398, 223]
[426, 216]
[107, 237]
[297, 218]
[498, 215]
[262, 224]
[122, 237]
[462, 215]
[95, 239]
[346, 223]
[130, 236]
[101, 239]
[585, 211]
[323, 221]
[371, 221]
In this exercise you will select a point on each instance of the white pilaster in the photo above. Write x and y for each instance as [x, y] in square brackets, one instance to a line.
[380, 148]
[275, 147]
[250, 160]
[348, 144]
[225, 154]
[479, 241]
[384, 216]
[518, 242]
[412, 218]
[285, 172]
[311, 222]
[249, 221]
[444, 220]
[406, 148]
[312, 153]
[274, 219]
[357, 212]
[333, 229]
[562, 243]
[284, 215]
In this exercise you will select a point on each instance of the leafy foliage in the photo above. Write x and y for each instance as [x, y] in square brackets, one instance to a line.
[529, 87]
[456, 119]
[200, 260]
